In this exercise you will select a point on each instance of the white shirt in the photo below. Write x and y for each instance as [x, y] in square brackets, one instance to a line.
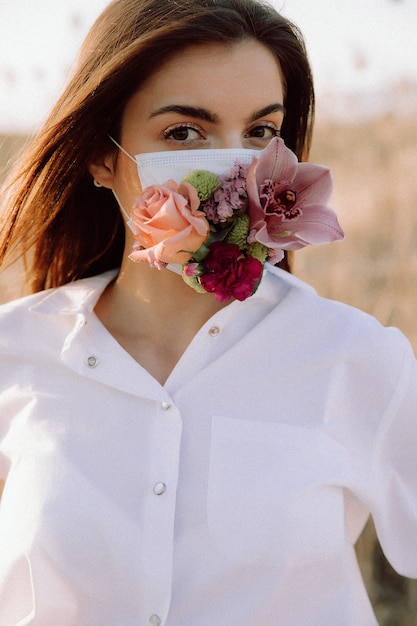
[230, 496]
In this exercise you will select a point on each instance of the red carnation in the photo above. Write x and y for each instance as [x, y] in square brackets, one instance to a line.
[229, 274]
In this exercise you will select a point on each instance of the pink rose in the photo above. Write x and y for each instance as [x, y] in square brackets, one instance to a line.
[288, 202]
[229, 274]
[167, 225]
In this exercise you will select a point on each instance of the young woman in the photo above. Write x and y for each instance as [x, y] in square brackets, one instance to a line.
[190, 435]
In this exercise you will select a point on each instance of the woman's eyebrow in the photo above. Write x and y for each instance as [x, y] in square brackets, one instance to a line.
[187, 111]
[213, 118]
[271, 108]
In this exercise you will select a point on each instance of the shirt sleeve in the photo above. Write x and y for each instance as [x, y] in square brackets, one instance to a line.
[18, 336]
[394, 474]
[11, 372]
[7, 410]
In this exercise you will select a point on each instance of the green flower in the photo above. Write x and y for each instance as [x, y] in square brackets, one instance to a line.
[205, 183]
[258, 251]
[192, 281]
[239, 231]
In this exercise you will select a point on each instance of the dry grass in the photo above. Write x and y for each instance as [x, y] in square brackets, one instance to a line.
[12, 279]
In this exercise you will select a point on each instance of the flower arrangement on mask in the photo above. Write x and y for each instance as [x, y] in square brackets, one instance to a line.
[222, 229]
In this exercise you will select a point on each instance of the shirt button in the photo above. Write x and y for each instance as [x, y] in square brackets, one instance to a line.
[92, 361]
[165, 406]
[214, 331]
[159, 488]
[155, 620]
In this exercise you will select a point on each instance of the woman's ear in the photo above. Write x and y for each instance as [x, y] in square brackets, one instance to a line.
[102, 169]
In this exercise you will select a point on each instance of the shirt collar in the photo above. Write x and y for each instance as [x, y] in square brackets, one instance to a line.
[80, 296]
[290, 279]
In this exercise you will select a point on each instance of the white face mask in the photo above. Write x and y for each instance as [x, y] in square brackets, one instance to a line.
[156, 168]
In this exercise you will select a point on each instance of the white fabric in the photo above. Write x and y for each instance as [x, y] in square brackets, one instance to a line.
[156, 168]
[273, 437]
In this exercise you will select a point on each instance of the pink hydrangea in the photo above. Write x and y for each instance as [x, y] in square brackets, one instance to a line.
[230, 198]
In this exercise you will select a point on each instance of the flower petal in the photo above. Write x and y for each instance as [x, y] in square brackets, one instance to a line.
[276, 162]
[318, 225]
[313, 183]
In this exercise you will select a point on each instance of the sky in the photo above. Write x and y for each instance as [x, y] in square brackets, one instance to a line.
[361, 48]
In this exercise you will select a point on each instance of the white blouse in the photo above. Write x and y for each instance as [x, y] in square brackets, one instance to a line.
[232, 495]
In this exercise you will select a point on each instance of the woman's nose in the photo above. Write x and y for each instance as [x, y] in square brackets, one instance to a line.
[230, 140]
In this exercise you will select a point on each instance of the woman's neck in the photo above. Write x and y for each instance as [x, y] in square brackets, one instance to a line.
[154, 315]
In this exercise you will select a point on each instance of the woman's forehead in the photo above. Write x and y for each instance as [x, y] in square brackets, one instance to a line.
[215, 73]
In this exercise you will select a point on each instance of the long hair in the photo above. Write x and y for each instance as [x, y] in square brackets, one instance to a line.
[66, 227]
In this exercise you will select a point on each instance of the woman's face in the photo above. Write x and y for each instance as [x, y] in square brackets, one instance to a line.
[208, 96]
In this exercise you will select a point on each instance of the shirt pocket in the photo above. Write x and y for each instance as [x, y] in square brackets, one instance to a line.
[275, 493]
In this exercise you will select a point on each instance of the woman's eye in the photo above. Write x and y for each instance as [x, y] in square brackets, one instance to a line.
[182, 133]
[264, 131]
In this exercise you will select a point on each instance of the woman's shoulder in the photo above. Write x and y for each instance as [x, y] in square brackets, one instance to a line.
[333, 323]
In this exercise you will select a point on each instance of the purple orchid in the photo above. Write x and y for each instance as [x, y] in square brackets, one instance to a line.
[288, 202]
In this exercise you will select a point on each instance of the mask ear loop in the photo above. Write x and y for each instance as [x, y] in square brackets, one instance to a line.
[123, 210]
[174, 267]
[132, 158]
[125, 213]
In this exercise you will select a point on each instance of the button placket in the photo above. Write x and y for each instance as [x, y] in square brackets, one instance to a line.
[158, 529]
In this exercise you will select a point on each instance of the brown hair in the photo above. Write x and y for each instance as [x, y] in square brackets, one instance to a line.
[74, 230]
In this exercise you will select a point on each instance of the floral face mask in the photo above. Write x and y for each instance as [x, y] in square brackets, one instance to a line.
[216, 216]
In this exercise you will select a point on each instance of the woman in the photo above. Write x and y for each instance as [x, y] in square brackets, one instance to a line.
[180, 455]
